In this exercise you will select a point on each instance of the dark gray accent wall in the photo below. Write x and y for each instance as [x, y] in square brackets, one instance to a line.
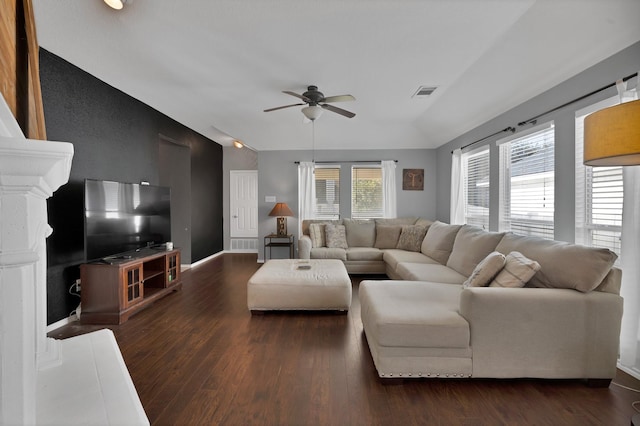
[115, 137]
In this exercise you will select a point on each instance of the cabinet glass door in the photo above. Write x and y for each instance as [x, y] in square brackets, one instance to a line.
[173, 268]
[133, 284]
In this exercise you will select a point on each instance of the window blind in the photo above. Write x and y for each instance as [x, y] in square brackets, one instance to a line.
[527, 184]
[366, 192]
[599, 193]
[476, 187]
[327, 181]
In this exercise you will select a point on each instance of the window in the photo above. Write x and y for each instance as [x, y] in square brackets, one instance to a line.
[476, 188]
[327, 181]
[599, 193]
[366, 192]
[527, 183]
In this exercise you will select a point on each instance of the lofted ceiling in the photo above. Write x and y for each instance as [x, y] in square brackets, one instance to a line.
[215, 65]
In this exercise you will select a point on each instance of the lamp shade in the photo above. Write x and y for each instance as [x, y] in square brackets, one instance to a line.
[612, 136]
[115, 4]
[312, 112]
[280, 210]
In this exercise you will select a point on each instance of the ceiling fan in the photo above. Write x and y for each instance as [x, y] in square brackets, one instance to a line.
[316, 103]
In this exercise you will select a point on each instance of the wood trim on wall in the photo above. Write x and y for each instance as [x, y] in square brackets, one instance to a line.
[19, 67]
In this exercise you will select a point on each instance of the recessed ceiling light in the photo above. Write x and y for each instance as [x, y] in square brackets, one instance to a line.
[424, 91]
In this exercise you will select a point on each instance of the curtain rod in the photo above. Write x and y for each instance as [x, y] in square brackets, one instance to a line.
[343, 161]
[534, 120]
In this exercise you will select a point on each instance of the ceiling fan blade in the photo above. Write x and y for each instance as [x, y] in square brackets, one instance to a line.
[339, 98]
[304, 98]
[282, 107]
[337, 110]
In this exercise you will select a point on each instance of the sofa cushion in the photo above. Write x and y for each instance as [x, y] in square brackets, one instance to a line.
[439, 240]
[486, 270]
[517, 271]
[411, 237]
[307, 222]
[364, 253]
[562, 265]
[394, 256]
[471, 245]
[360, 233]
[424, 222]
[387, 236]
[317, 235]
[336, 236]
[396, 221]
[432, 272]
[413, 314]
[329, 253]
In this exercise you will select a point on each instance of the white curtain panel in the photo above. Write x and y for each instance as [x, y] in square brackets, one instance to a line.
[389, 189]
[306, 193]
[630, 257]
[457, 189]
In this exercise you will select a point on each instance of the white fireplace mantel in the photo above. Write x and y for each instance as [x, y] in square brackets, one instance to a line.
[81, 380]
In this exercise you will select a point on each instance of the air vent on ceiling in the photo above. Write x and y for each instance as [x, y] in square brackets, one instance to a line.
[424, 91]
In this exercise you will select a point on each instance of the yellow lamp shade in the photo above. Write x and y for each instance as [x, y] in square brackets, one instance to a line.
[612, 136]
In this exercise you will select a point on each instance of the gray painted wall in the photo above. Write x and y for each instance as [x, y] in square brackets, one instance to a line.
[618, 66]
[278, 176]
[233, 159]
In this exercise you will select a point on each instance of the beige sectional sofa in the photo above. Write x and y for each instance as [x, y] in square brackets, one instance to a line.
[427, 321]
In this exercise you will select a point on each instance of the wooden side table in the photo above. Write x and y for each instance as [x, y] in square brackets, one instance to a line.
[274, 240]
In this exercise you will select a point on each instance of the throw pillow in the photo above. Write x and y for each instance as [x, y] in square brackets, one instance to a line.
[486, 270]
[387, 236]
[411, 237]
[517, 271]
[336, 236]
[317, 235]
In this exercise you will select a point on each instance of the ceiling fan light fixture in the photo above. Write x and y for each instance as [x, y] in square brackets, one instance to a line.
[312, 112]
[116, 4]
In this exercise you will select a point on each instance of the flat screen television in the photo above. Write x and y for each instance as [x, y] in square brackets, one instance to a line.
[124, 217]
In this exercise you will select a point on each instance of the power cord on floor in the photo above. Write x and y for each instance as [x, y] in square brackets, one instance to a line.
[73, 290]
[635, 404]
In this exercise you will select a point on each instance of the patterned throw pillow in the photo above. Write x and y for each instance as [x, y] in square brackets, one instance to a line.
[411, 237]
[317, 235]
[517, 271]
[336, 236]
[486, 270]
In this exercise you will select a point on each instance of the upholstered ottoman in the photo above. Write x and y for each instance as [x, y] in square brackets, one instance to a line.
[282, 284]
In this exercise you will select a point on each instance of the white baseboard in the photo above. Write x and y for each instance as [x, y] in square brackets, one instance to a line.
[630, 371]
[206, 259]
[64, 321]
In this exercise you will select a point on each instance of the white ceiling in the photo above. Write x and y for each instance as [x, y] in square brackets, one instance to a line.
[215, 65]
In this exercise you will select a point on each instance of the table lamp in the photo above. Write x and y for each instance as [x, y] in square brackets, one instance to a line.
[281, 210]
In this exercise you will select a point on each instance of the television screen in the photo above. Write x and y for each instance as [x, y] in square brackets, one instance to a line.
[124, 217]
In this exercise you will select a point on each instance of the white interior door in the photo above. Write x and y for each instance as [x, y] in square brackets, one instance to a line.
[243, 202]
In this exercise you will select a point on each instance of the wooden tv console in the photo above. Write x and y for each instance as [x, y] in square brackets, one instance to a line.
[119, 286]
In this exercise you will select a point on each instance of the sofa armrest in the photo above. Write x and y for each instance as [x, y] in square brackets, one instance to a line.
[542, 332]
[304, 247]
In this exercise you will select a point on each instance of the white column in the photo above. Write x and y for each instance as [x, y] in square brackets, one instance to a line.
[30, 171]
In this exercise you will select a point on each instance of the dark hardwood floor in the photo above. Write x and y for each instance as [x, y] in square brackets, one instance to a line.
[199, 357]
